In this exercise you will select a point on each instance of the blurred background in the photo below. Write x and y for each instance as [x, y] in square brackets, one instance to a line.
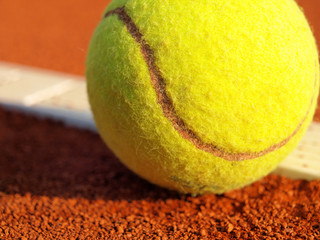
[55, 34]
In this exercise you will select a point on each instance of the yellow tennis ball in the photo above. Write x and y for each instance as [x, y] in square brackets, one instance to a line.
[202, 96]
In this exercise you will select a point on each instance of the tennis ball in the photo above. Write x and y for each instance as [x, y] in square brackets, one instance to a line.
[203, 96]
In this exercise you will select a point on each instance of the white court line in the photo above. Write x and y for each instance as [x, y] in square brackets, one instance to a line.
[31, 86]
[63, 97]
[48, 93]
[72, 118]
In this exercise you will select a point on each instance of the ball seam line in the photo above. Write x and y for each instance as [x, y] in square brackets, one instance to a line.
[167, 106]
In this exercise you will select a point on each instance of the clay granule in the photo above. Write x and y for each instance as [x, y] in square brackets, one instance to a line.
[63, 183]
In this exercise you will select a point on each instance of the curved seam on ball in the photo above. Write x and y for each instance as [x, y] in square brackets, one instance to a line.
[167, 106]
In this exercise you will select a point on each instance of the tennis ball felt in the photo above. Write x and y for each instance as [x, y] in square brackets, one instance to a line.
[203, 96]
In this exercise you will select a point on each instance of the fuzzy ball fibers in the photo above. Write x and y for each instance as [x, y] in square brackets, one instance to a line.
[202, 96]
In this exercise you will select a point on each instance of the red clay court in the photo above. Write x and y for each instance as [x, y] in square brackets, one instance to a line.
[58, 182]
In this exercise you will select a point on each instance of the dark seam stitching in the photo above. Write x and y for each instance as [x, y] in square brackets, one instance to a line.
[167, 104]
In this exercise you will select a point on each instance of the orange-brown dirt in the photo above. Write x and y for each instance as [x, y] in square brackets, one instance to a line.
[63, 183]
